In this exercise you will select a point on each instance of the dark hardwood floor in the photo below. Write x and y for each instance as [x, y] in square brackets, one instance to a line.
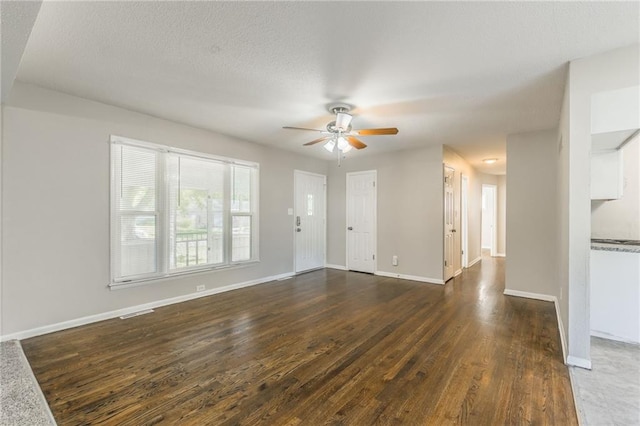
[328, 347]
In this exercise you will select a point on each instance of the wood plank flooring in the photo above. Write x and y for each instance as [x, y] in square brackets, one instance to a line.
[327, 347]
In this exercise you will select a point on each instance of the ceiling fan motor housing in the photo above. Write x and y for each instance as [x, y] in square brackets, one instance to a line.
[333, 128]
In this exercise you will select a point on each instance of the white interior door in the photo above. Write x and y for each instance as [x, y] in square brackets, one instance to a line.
[489, 217]
[361, 221]
[448, 222]
[309, 220]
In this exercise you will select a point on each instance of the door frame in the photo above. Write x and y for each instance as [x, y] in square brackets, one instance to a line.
[464, 220]
[297, 172]
[375, 217]
[494, 222]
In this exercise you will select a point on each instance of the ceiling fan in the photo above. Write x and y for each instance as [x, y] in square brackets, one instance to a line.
[339, 133]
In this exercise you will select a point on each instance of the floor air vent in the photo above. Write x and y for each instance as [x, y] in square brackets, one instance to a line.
[135, 314]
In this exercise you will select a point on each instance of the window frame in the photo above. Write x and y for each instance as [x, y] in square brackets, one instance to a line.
[163, 211]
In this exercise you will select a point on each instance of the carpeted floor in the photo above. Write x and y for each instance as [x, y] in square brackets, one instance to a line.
[21, 400]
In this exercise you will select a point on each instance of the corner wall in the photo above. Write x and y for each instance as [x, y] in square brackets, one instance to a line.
[532, 214]
[612, 70]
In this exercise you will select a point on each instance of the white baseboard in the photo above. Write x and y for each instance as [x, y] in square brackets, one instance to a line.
[546, 298]
[458, 272]
[410, 277]
[132, 309]
[332, 266]
[579, 362]
[474, 261]
[526, 294]
[604, 335]
[500, 255]
[563, 340]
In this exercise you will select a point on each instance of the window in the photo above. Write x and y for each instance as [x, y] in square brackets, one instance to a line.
[175, 211]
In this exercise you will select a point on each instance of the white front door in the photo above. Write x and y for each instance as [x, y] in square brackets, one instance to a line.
[448, 222]
[309, 220]
[361, 221]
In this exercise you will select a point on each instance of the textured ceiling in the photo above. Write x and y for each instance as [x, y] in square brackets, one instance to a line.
[456, 73]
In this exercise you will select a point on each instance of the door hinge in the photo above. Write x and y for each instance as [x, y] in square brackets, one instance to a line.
[374, 257]
[445, 263]
[374, 183]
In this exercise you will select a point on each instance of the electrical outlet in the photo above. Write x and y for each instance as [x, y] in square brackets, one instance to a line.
[394, 260]
[200, 288]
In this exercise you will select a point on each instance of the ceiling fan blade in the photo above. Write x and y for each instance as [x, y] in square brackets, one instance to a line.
[356, 143]
[372, 132]
[302, 128]
[324, 138]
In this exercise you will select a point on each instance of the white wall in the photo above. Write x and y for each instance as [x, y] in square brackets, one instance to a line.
[409, 191]
[620, 219]
[612, 70]
[532, 214]
[55, 197]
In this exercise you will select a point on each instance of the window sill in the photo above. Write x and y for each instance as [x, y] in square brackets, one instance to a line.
[145, 281]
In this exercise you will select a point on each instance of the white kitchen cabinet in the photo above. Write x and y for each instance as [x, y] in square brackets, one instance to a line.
[606, 175]
[615, 295]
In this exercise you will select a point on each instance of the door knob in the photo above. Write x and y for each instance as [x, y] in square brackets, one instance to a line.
[298, 229]
[453, 230]
[350, 228]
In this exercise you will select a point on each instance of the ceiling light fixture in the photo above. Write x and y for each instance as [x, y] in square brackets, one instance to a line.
[338, 141]
[342, 121]
[489, 160]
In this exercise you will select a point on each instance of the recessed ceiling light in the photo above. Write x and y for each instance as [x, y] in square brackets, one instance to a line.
[489, 160]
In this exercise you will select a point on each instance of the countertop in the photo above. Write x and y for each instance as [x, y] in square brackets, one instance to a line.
[627, 246]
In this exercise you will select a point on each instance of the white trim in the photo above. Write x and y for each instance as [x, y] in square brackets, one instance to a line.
[120, 312]
[527, 295]
[410, 277]
[576, 399]
[563, 340]
[474, 261]
[332, 266]
[579, 362]
[608, 336]
[499, 255]
[458, 272]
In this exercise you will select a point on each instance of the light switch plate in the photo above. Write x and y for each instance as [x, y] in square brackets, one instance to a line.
[290, 211]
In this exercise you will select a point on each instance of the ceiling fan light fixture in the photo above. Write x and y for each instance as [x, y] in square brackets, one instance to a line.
[330, 145]
[343, 120]
[343, 145]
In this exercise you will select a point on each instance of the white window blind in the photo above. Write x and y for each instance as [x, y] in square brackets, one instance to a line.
[175, 211]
